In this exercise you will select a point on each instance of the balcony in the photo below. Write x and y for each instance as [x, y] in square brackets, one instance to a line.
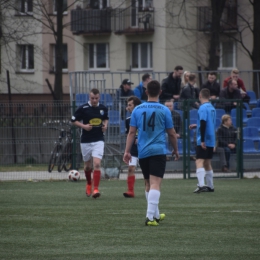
[91, 22]
[132, 21]
[228, 21]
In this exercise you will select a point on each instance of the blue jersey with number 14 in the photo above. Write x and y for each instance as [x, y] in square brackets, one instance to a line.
[151, 120]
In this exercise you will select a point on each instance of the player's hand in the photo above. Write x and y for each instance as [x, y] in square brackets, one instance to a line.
[203, 146]
[104, 128]
[88, 127]
[192, 126]
[127, 158]
[176, 155]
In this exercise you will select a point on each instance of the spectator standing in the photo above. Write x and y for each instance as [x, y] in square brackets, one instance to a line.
[151, 119]
[227, 135]
[125, 91]
[185, 78]
[92, 118]
[190, 92]
[230, 92]
[132, 102]
[206, 139]
[176, 118]
[240, 84]
[212, 85]
[171, 86]
[140, 90]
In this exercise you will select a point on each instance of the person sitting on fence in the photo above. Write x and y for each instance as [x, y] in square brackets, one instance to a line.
[171, 86]
[140, 90]
[240, 84]
[212, 85]
[132, 102]
[226, 136]
[230, 92]
[190, 92]
[92, 118]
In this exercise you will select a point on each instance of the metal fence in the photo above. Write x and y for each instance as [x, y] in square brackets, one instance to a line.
[27, 139]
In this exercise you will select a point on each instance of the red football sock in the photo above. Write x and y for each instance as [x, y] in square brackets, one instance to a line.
[88, 176]
[131, 183]
[96, 178]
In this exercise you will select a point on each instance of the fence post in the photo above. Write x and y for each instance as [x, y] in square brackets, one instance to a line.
[74, 138]
[239, 149]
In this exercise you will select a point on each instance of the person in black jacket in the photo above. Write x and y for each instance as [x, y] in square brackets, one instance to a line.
[171, 86]
[132, 102]
[212, 85]
[226, 136]
[230, 92]
[190, 92]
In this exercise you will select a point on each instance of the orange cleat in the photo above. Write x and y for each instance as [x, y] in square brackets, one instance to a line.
[96, 194]
[88, 189]
[129, 194]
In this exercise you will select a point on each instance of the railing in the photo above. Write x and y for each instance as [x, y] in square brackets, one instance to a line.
[84, 21]
[228, 20]
[132, 21]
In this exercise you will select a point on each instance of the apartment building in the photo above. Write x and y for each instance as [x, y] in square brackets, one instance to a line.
[126, 38]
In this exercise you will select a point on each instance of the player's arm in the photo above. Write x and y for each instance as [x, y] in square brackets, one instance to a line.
[173, 139]
[202, 133]
[104, 126]
[129, 142]
[86, 127]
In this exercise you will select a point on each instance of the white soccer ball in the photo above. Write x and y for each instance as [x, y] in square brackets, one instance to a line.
[74, 175]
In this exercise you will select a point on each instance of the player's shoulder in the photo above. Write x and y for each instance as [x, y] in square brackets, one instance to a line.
[103, 107]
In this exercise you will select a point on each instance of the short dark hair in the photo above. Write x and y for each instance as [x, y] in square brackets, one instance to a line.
[192, 76]
[212, 73]
[146, 76]
[153, 88]
[205, 93]
[136, 100]
[95, 91]
[178, 67]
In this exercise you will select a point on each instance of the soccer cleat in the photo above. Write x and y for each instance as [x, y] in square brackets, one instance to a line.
[209, 189]
[88, 189]
[149, 222]
[162, 217]
[96, 194]
[201, 189]
[129, 194]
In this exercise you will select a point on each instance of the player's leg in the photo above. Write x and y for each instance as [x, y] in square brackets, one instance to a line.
[86, 154]
[209, 171]
[131, 178]
[97, 154]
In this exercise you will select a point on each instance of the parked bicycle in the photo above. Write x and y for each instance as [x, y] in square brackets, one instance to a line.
[61, 154]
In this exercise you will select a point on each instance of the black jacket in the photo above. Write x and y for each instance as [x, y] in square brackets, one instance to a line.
[214, 88]
[189, 92]
[226, 136]
[170, 86]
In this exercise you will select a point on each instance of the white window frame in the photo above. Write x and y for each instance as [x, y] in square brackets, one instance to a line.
[233, 55]
[53, 8]
[149, 58]
[19, 7]
[21, 56]
[95, 57]
[53, 63]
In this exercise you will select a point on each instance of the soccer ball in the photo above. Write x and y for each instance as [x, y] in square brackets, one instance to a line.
[74, 175]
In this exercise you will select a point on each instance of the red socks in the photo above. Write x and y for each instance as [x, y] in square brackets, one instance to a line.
[96, 178]
[88, 176]
[131, 183]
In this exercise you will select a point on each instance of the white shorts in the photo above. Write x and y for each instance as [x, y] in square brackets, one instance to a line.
[95, 149]
[134, 161]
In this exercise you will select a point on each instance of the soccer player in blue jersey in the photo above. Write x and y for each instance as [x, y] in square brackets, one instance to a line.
[151, 119]
[205, 142]
[92, 118]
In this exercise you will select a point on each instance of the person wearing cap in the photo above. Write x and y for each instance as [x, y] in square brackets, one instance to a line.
[125, 88]
[124, 92]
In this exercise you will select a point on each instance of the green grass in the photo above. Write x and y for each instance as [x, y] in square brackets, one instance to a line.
[55, 220]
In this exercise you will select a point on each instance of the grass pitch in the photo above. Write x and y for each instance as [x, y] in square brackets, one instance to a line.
[55, 220]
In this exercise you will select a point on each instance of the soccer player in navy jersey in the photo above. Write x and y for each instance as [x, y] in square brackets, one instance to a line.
[132, 102]
[205, 142]
[92, 118]
[151, 119]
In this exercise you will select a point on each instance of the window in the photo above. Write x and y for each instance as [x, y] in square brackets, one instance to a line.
[64, 58]
[65, 6]
[26, 57]
[142, 56]
[98, 56]
[227, 54]
[25, 6]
